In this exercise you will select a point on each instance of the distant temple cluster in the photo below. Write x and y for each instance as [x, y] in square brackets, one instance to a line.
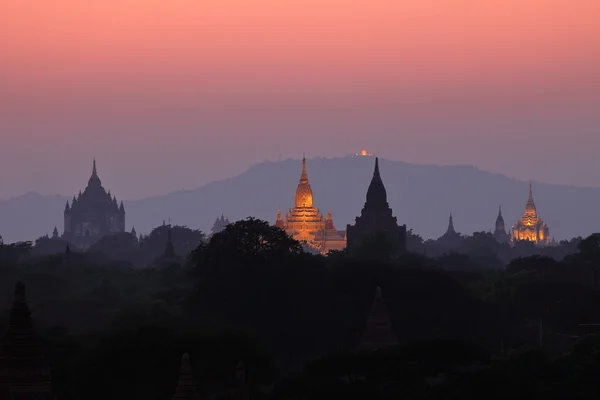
[96, 213]
[529, 228]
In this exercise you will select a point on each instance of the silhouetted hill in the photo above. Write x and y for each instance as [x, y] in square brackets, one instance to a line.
[421, 196]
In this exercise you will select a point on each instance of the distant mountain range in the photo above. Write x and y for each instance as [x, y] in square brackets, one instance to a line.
[422, 197]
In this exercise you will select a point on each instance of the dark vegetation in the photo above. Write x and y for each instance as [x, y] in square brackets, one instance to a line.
[484, 320]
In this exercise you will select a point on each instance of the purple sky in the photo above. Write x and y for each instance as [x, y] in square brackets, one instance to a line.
[175, 95]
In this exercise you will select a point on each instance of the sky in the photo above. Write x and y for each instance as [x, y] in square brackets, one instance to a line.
[172, 94]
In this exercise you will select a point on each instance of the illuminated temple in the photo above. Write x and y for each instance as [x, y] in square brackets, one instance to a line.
[306, 224]
[530, 227]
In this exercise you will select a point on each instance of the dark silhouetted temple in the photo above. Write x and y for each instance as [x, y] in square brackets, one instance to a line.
[378, 332]
[93, 214]
[500, 229]
[24, 371]
[376, 217]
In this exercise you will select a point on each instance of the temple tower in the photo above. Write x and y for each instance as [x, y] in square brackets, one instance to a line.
[24, 370]
[451, 240]
[500, 229]
[451, 230]
[92, 214]
[378, 332]
[376, 216]
[530, 227]
[168, 257]
[305, 222]
[186, 387]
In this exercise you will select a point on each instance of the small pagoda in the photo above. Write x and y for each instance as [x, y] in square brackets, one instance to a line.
[378, 332]
[24, 370]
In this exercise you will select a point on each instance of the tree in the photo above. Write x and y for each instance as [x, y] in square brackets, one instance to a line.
[45, 246]
[184, 240]
[12, 253]
[247, 240]
[589, 254]
[118, 247]
[414, 242]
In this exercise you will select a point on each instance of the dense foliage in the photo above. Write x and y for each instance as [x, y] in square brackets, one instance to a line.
[483, 321]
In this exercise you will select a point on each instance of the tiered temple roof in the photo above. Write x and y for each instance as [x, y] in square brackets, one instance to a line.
[530, 227]
[376, 216]
[305, 222]
[93, 214]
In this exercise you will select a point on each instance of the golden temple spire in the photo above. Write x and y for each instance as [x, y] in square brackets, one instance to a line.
[304, 195]
[530, 209]
[303, 175]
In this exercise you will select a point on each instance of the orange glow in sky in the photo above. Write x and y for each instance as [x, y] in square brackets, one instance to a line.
[84, 43]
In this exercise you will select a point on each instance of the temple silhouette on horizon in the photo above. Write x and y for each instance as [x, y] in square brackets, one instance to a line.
[92, 214]
[376, 218]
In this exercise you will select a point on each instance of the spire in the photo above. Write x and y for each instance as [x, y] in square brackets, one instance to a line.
[94, 179]
[23, 366]
[500, 227]
[279, 221]
[67, 207]
[378, 332]
[133, 232]
[303, 175]
[55, 233]
[451, 224]
[186, 387]
[304, 194]
[376, 194]
[530, 209]
[530, 191]
[329, 220]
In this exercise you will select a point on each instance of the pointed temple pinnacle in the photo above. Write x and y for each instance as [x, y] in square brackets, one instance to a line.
[303, 175]
[376, 172]
[530, 200]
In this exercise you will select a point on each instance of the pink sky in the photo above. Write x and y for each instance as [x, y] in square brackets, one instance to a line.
[170, 94]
